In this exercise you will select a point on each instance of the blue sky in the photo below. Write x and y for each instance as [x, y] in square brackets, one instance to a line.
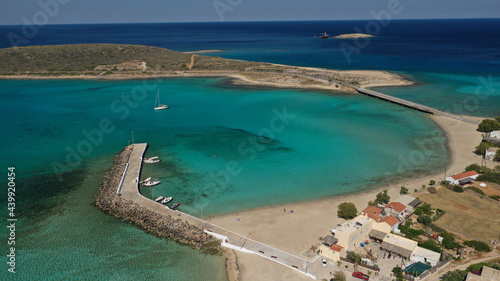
[111, 11]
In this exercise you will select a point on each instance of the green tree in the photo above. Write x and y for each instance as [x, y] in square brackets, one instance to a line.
[403, 190]
[352, 256]
[424, 219]
[430, 245]
[347, 210]
[491, 177]
[338, 276]
[455, 275]
[458, 188]
[432, 182]
[398, 272]
[423, 209]
[482, 147]
[477, 168]
[497, 155]
[449, 241]
[478, 245]
[488, 125]
[382, 198]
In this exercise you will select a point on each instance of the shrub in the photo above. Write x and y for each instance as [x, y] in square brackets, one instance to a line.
[439, 213]
[495, 197]
[436, 228]
[403, 190]
[409, 232]
[478, 245]
[490, 177]
[458, 188]
[424, 219]
[347, 210]
[352, 256]
[455, 275]
[432, 190]
[338, 276]
[476, 190]
[449, 241]
[479, 266]
[382, 198]
[477, 168]
[482, 147]
[423, 209]
[431, 245]
[432, 182]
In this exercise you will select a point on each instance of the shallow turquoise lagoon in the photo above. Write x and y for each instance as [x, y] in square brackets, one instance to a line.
[223, 149]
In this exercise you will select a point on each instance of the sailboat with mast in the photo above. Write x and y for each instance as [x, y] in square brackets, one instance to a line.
[158, 105]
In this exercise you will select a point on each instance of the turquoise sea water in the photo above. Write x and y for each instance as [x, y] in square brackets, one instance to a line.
[276, 145]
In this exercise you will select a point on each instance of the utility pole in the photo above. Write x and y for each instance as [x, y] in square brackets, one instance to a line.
[245, 240]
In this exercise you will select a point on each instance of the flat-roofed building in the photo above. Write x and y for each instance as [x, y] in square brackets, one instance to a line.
[398, 245]
[487, 274]
[354, 232]
[425, 256]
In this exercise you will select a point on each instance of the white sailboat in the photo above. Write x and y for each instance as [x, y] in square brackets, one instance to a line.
[158, 105]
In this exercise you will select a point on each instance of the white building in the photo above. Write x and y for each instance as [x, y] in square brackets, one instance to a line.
[425, 256]
[463, 177]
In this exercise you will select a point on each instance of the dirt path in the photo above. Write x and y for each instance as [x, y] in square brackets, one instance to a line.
[437, 276]
[190, 66]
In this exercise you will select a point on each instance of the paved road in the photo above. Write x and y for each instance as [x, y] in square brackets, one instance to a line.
[130, 191]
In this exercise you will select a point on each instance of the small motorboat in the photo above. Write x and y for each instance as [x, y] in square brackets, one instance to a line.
[151, 183]
[146, 180]
[166, 200]
[159, 199]
[152, 160]
[175, 205]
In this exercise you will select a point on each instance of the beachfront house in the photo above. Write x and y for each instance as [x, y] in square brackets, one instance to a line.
[409, 250]
[395, 209]
[392, 222]
[409, 201]
[375, 213]
[463, 178]
[400, 246]
[425, 256]
[490, 153]
[493, 137]
[354, 232]
[334, 252]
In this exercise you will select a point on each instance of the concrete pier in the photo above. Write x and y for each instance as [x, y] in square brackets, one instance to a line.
[130, 191]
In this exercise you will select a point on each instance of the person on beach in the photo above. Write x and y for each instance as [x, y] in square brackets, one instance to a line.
[284, 210]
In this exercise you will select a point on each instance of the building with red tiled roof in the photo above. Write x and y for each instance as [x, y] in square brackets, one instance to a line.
[392, 222]
[336, 248]
[463, 177]
[395, 208]
[374, 217]
[373, 212]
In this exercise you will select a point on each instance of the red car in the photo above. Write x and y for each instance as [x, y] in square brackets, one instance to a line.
[360, 275]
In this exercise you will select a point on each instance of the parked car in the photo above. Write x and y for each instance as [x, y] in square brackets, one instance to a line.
[360, 275]
[324, 263]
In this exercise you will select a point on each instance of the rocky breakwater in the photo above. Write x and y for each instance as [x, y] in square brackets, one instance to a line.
[163, 226]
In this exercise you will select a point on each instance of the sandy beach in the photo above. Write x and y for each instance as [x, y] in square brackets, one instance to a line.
[297, 232]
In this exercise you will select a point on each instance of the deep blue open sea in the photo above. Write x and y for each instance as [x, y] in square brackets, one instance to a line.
[331, 144]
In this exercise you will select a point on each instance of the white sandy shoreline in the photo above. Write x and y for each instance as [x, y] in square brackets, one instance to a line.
[297, 232]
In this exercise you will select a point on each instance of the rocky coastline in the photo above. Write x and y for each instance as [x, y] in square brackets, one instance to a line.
[159, 225]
